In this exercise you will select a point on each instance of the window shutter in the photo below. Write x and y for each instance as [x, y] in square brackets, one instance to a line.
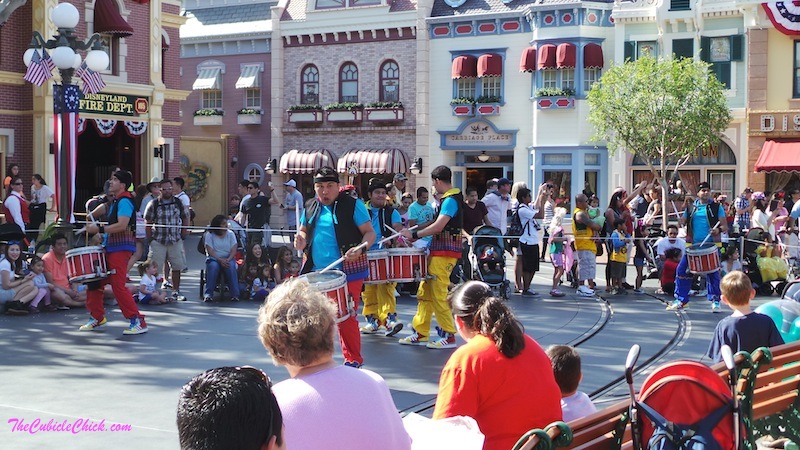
[705, 48]
[723, 72]
[683, 48]
[737, 47]
[630, 50]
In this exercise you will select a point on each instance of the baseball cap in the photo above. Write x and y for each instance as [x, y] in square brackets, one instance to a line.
[703, 185]
[124, 177]
[400, 177]
[291, 183]
[503, 181]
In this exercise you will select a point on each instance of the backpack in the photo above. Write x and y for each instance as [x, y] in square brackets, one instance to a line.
[516, 228]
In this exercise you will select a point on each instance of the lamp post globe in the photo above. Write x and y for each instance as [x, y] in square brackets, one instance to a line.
[97, 60]
[63, 57]
[65, 15]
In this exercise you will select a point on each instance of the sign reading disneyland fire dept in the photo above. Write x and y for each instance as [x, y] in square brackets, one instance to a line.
[114, 104]
[478, 134]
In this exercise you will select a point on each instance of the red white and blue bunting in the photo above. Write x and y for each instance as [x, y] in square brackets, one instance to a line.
[135, 128]
[785, 16]
[105, 126]
[81, 125]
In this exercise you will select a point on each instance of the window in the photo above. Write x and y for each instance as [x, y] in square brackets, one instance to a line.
[254, 172]
[109, 44]
[465, 88]
[721, 182]
[252, 98]
[212, 99]
[679, 5]
[490, 86]
[390, 82]
[309, 85]
[325, 4]
[590, 77]
[549, 78]
[636, 49]
[721, 52]
[796, 69]
[568, 79]
[348, 83]
[562, 179]
[683, 48]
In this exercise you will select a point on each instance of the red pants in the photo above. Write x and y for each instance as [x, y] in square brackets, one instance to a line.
[349, 334]
[94, 297]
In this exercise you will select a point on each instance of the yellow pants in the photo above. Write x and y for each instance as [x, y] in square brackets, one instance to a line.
[379, 300]
[432, 297]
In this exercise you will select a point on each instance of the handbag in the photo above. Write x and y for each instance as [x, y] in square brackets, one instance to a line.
[599, 251]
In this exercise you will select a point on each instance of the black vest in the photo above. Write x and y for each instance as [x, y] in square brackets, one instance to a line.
[347, 233]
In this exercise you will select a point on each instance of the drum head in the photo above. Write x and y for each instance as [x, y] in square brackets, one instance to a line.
[324, 277]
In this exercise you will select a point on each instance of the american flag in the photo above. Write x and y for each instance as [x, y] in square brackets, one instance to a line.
[66, 100]
[47, 62]
[38, 72]
[92, 81]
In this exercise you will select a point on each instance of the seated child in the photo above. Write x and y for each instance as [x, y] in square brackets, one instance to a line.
[261, 284]
[250, 276]
[489, 259]
[744, 329]
[673, 256]
[730, 261]
[567, 368]
[294, 269]
[147, 293]
[768, 259]
[39, 280]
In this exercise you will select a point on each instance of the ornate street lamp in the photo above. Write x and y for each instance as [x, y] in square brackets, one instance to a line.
[66, 96]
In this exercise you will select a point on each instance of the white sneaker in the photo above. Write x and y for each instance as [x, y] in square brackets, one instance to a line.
[585, 290]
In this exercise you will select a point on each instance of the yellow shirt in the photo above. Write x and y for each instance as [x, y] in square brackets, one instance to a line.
[583, 234]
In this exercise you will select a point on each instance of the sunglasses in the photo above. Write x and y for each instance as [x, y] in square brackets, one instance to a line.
[17, 184]
[257, 372]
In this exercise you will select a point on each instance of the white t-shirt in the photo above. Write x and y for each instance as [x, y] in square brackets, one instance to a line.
[498, 210]
[663, 244]
[531, 228]
[149, 283]
[41, 195]
[576, 406]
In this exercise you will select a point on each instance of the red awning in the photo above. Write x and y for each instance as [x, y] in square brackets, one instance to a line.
[547, 57]
[779, 157]
[465, 66]
[592, 56]
[108, 21]
[305, 161]
[376, 160]
[490, 65]
[527, 62]
[565, 56]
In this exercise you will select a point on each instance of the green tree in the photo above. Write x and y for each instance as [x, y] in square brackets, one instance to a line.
[663, 110]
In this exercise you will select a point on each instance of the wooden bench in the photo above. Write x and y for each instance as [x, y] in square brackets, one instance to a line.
[770, 404]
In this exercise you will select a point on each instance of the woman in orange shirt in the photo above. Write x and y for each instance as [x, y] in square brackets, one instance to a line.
[501, 377]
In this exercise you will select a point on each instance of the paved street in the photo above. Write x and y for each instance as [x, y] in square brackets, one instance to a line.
[52, 371]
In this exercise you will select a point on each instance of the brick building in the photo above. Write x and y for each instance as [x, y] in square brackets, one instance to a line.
[122, 124]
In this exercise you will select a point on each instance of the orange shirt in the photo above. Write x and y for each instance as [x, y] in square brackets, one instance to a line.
[57, 269]
[507, 397]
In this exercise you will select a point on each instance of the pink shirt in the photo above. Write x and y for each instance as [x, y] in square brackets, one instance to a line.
[340, 407]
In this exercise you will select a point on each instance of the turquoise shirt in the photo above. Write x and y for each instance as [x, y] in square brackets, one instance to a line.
[324, 245]
[375, 213]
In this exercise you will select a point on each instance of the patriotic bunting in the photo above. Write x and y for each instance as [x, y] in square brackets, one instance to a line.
[785, 16]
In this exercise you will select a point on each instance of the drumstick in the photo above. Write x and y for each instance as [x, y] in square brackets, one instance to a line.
[709, 234]
[297, 226]
[361, 246]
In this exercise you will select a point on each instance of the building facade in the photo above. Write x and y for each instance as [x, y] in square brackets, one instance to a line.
[121, 126]
[226, 64]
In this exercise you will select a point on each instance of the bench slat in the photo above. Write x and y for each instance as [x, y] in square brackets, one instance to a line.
[773, 405]
[777, 375]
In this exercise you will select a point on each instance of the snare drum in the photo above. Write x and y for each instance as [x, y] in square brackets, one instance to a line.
[86, 264]
[703, 258]
[333, 283]
[407, 265]
[378, 261]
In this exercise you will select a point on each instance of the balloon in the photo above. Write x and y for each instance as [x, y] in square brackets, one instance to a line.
[786, 315]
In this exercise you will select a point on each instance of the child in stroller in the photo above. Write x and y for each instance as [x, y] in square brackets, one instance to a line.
[491, 260]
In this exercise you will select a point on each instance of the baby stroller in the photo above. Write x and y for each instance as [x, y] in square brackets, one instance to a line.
[487, 259]
[685, 405]
[753, 240]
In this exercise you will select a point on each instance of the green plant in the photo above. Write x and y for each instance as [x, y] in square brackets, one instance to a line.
[346, 106]
[312, 107]
[555, 92]
[462, 101]
[385, 105]
[250, 111]
[488, 99]
[209, 112]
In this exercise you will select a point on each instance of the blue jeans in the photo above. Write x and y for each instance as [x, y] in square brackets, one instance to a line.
[213, 270]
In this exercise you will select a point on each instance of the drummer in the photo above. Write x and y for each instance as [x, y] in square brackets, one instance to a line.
[335, 217]
[380, 305]
[445, 251]
[704, 219]
[120, 244]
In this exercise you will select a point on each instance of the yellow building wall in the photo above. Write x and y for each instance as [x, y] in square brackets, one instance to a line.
[779, 71]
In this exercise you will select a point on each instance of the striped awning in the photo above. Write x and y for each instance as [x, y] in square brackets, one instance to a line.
[386, 160]
[207, 79]
[305, 161]
[249, 78]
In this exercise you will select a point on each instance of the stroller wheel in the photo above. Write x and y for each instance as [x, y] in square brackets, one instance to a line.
[781, 287]
[765, 289]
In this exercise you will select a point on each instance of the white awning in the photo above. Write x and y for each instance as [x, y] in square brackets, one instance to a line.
[249, 78]
[207, 79]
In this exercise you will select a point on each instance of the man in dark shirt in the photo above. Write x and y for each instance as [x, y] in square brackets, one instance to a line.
[475, 215]
[258, 211]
